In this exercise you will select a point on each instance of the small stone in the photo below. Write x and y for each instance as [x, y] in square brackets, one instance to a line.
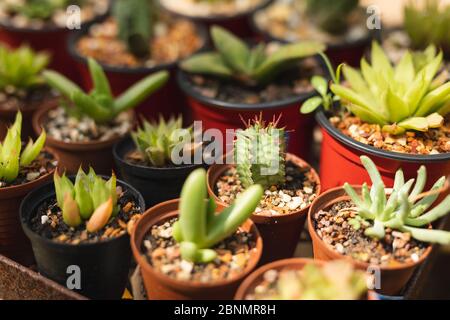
[148, 244]
[286, 198]
[295, 203]
[271, 276]
[33, 176]
[339, 248]
[415, 257]
[44, 219]
[186, 266]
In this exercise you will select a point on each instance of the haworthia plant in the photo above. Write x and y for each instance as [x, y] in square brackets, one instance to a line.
[12, 158]
[90, 199]
[330, 15]
[405, 209]
[99, 104]
[260, 152]
[200, 227]
[234, 59]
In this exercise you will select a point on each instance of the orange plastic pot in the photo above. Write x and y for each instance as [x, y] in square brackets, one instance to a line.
[280, 233]
[392, 278]
[160, 286]
[340, 162]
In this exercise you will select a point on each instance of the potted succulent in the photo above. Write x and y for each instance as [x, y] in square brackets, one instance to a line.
[290, 185]
[237, 81]
[304, 279]
[85, 126]
[233, 15]
[22, 87]
[388, 229]
[45, 25]
[188, 248]
[147, 159]
[135, 40]
[83, 222]
[397, 115]
[22, 168]
[339, 24]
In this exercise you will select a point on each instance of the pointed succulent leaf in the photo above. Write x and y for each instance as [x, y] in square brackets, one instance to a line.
[437, 212]
[83, 196]
[428, 200]
[209, 63]
[59, 82]
[432, 99]
[101, 83]
[88, 105]
[100, 217]
[32, 150]
[70, 211]
[428, 235]
[401, 110]
[320, 84]
[416, 123]
[311, 105]
[63, 186]
[420, 183]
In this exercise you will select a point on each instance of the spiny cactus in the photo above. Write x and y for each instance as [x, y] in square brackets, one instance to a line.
[331, 15]
[157, 141]
[260, 152]
[100, 104]
[235, 60]
[404, 210]
[90, 199]
[11, 158]
[199, 227]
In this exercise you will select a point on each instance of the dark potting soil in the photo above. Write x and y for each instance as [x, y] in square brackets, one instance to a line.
[48, 222]
[42, 165]
[297, 193]
[163, 253]
[289, 84]
[333, 227]
[18, 99]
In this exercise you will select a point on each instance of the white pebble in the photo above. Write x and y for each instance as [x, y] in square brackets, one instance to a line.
[44, 219]
[295, 203]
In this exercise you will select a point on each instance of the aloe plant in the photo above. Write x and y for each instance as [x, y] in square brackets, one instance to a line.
[330, 15]
[199, 227]
[260, 152]
[404, 210]
[157, 141]
[250, 66]
[21, 68]
[12, 158]
[90, 199]
[99, 104]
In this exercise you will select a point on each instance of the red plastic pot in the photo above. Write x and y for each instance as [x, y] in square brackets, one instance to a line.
[222, 115]
[168, 100]
[340, 163]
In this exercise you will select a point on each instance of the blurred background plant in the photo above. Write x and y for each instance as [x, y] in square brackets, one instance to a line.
[39, 9]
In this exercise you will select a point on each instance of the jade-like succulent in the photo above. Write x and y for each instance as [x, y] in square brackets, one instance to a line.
[330, 15]
[260, 152]
[335, 280]
[99, 104]
[12, 158]
[135, 21]
[250, 66]
[157, 141]
[404, 209]
[20, 69]
[90, 199]
[428, 24]
[200, 227]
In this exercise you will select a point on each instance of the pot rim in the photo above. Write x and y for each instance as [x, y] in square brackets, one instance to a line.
[325, 124]
[143, 263]
[139, 70]
[33, 183]
[218, 18]
[255, 217]
[72, 146]
[360, 264]
[28, 231]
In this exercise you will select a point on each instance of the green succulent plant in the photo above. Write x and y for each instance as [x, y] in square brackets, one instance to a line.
[250, 66]
[12, 157]
[429, 24]
[90, 199]
[330, 15]
[21, 68]
[404, 210]
[199, 227]
[157, 141]
[260, 152]
[40, 9]
[99, 104]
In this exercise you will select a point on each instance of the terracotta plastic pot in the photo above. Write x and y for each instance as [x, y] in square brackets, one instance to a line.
[155, 184]
[340, 163]
[221, 115]
[239, 24]
[168, 100]
[13, 242]
[280, 233]
[97, 155]
[392, 278]
[162, 287]
[257, 276]
[103, 266]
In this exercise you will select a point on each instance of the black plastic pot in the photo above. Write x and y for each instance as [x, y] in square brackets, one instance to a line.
[155, 184]
[104, 266]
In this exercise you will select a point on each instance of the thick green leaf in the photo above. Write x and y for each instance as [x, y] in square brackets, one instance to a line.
[415, 123]
[398, 109]
[32, 150]
[101, 83]
[320, 84]
[89, 106]
[65, 86]
[433, 98]
[209, 63]
[311, 105]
